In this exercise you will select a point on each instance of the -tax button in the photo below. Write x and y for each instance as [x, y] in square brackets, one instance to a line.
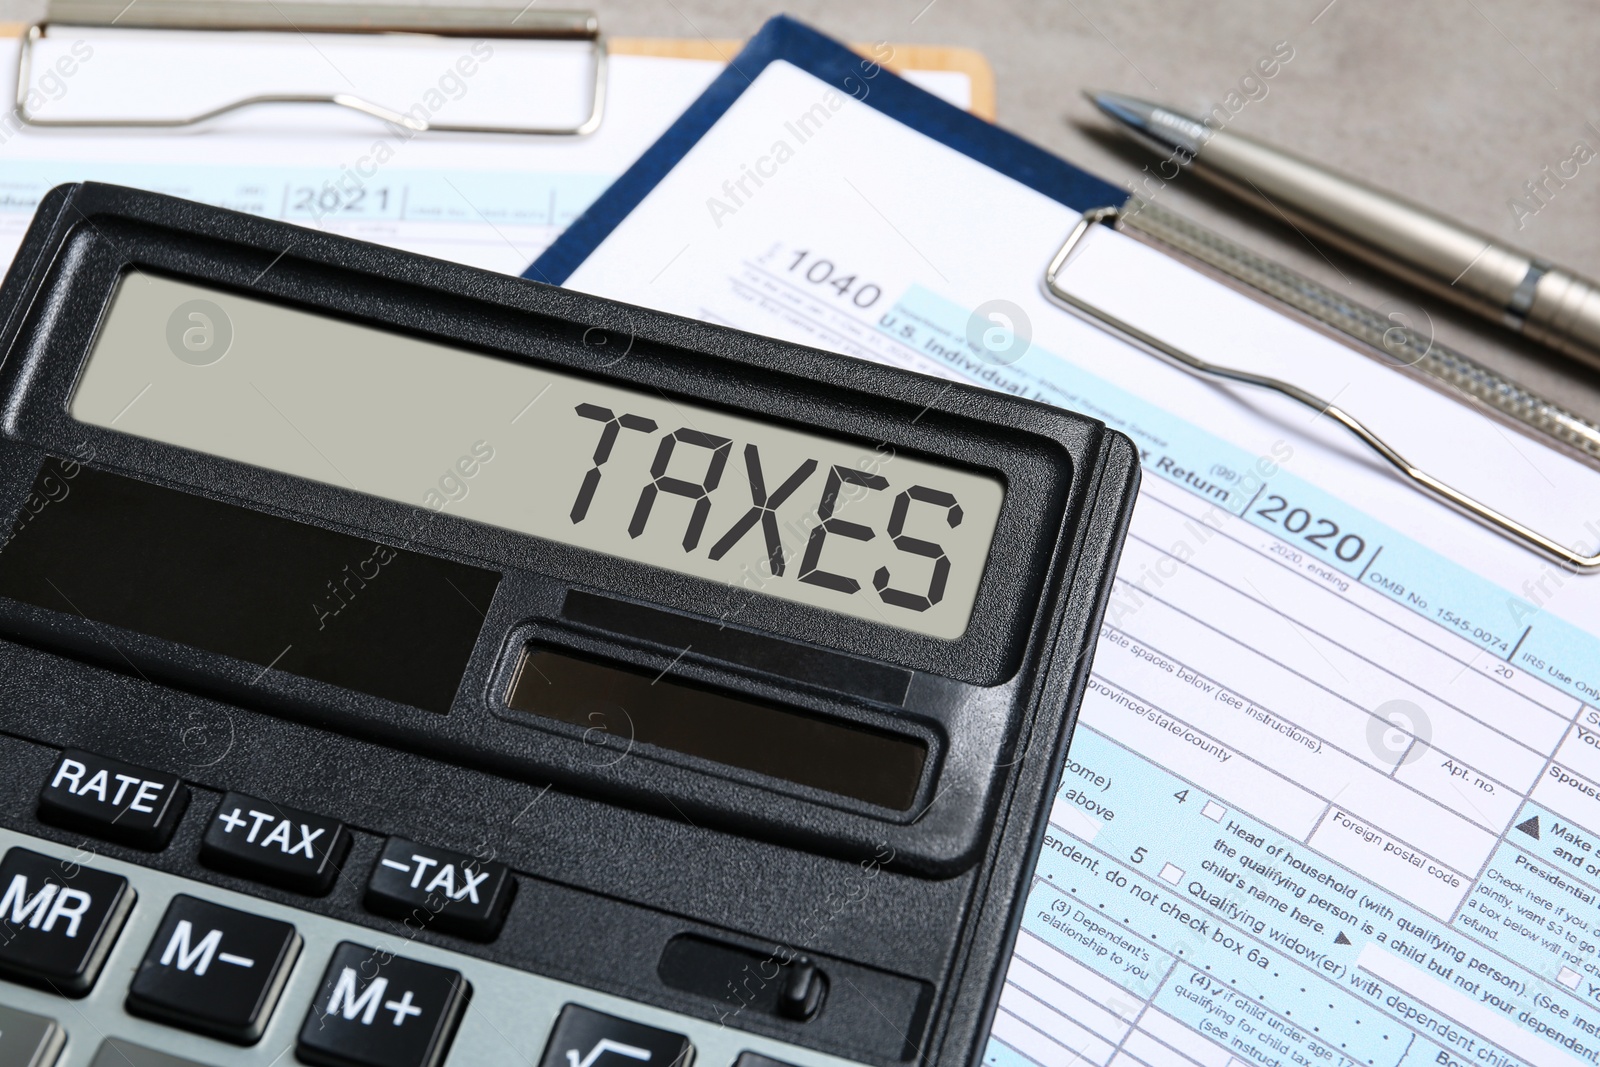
[587, 1038]
[269, 843]
[439, 889]
[113, 800]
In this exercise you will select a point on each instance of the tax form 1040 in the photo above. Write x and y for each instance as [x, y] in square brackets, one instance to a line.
[1334, 793]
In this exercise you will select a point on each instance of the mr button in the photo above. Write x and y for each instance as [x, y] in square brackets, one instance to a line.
[214, 970]
[113, 800]
[281, 846]
[59, 920]
[378, 1010]
[439, 889]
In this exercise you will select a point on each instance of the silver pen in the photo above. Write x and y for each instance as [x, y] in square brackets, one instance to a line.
[1540, 300]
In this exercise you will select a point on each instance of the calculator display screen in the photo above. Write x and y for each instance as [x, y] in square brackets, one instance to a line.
[735, 498]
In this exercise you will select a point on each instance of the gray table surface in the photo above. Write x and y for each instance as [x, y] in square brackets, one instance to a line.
[1455, 103]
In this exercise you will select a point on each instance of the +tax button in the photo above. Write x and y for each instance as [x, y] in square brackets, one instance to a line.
[281, 846]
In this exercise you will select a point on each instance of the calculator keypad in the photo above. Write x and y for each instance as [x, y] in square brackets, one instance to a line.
[282, 983]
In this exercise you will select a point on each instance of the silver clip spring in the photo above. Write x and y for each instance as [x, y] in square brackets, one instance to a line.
[299, 16]
[1482, 513]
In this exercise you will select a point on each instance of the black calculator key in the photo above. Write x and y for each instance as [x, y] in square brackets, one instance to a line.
[440, 890]
[114, 800]
[374, 1009]
[587, 1038]
[28, 1040]
[756, 1059]
[285, 847]
[115, 1052]
[214, 970]
[60, 920]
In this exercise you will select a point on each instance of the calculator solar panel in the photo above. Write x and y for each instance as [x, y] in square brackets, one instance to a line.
[406, 665]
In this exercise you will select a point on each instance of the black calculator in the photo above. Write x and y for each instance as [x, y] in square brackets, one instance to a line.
[404, 665]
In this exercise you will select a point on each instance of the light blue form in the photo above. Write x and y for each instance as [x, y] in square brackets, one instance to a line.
[1256, 944]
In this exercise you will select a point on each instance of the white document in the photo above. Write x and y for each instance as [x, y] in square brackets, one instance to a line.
[1334, 794]
[489, 200]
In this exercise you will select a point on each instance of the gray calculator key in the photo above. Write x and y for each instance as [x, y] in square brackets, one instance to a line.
[115, 1052]
[28, 1040]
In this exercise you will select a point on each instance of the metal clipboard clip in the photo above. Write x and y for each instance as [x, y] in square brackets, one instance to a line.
[301, 17]
[1474, 509]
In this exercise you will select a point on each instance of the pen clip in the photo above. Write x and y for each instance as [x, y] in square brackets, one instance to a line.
[1474, 509]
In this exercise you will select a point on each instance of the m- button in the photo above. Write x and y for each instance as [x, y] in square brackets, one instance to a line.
[434, 888]
[285, 847]
[113, 800]
[214, 970]
[59, 920]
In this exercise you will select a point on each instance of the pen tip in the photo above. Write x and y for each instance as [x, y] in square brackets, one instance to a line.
[1156, 126]
[1124, 107]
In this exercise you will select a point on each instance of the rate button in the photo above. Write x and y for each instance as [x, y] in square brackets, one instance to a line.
[113, 800]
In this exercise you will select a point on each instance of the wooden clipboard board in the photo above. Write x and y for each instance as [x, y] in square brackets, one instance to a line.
[902, 57]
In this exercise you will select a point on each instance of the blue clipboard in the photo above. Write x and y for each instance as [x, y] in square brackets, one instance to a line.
[828, 60]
